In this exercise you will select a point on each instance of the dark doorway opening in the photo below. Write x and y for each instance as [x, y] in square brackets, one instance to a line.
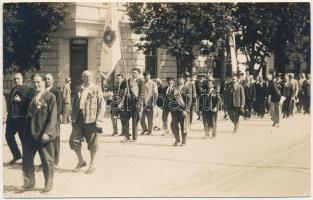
[78, 60]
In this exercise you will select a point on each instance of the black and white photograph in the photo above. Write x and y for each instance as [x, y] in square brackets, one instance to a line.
[156, 99]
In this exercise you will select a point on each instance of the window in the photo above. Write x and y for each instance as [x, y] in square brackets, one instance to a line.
[152, 63]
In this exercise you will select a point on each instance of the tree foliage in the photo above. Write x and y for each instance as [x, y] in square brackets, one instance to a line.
[27, 28]
[261, 28]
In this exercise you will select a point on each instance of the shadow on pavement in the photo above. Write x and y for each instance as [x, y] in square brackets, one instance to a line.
[16, 189]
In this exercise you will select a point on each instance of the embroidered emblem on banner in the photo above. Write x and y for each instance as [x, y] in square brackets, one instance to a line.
[109, 36]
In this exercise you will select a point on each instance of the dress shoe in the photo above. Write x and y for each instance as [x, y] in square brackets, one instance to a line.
[46, 189]
[13, 161]
[125, 139]
[149, 133]
[90, 170]
[114, 133]
[175, 143]
[143, 132]
[25, 188]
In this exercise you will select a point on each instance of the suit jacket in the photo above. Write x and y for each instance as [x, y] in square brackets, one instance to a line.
[200, 87]
[42, 117]
[160, 102]
[150, 93]
[66, 93]
[306, 88]
[18, 109]
[249, 92]
[274, 92]
[94, 106]
[136, 89]
[192, 89]
[295, 87]
[180, 99]
[238, 95]
[58, 95]
[209, 101]
[261, 92]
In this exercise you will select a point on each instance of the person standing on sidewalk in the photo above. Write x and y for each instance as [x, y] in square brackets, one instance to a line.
[67, 104]
[179, 105]
[159, 105]
[190, 84]
[40, 132]
[58, 95]
[209, 104]
[17, 108]
[150, 93]
[237, 102]
[274, 95]
[88, 113]
[306, 88]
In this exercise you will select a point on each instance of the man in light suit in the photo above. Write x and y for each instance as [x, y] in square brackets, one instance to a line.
[41, 131]
[150, 93]
[66, 94]
[88, 113]
[237, 102]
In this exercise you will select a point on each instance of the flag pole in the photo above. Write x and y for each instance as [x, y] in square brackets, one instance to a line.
[122, 53]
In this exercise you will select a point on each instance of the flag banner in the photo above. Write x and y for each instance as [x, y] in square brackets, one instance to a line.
[111, 45]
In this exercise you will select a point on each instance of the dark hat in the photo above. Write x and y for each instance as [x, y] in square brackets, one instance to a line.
[201, 75]
[169, 78]
[136, 69]
[187, 74]
[146, 74]
[180, 76]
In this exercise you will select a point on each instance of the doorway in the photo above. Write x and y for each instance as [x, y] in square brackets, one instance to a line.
[78, 60]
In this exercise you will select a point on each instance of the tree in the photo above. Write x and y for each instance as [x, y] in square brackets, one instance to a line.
[279, 28]
[27, 28]
[179, 27]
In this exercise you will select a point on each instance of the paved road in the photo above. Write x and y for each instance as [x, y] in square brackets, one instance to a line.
[258, 161]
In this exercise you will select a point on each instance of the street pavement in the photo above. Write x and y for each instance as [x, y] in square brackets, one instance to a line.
[259, 161]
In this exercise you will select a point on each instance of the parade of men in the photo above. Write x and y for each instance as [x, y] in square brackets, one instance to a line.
[40, 132]
[58, 95]
[88, 112]
[17, 108]
[153, 99]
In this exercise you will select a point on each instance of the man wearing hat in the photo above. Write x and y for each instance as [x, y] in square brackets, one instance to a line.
[66, 94]
[192, 88]
[200, 90]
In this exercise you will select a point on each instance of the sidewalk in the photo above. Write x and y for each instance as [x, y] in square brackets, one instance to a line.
[152, 167]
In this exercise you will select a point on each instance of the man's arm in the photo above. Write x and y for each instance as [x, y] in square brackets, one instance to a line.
[100, 106]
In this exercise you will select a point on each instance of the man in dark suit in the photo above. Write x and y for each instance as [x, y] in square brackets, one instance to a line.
[17, 109]
[306, 89]
[179, 105]
[209, 104]
[190, 84]
[249, 97]
[116, 101]
[58, 95]
[132, 105]
[200, 90]
[166, 97]
[261, 96]
[237, 102]
[41, 131]
[274, 95]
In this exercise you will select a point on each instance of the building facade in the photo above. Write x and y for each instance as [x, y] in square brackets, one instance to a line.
[79, 45]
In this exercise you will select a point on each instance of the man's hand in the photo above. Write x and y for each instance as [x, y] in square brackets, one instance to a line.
[214, 109]
[17, 98]
[45, 138]
[98, 124]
